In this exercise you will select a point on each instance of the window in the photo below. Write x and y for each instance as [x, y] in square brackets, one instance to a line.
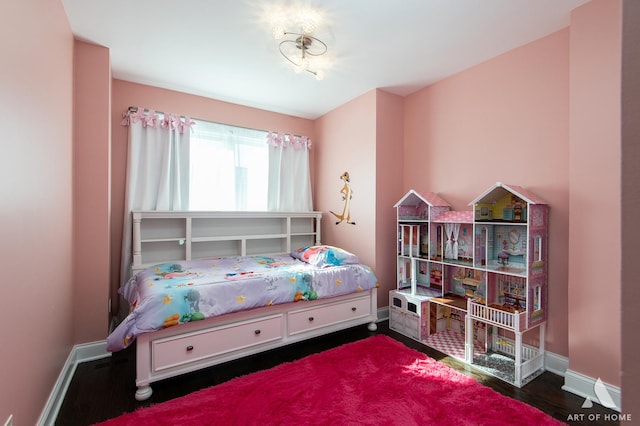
[537, 249]
[229, 168]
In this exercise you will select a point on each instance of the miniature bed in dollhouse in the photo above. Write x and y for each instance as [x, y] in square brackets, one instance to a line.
[209, 287]
[472, 284]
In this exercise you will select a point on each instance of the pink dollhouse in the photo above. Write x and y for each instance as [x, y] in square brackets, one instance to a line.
[480, 284]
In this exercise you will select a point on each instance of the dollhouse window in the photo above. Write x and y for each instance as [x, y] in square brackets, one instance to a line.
[537, 249]
[537, 293]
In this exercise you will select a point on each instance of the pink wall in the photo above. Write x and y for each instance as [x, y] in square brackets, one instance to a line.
[126, 94]
[36, 192]
[389, 188]
[630, 132]
[92, 170]
[512, 112]
[504, 120]
[363, 137]
[594, 231]
[346, 143]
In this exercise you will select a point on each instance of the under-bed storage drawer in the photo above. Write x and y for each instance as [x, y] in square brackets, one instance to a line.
[312, 318]
[174, 351]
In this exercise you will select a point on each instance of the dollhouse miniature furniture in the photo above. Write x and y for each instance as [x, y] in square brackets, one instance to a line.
[477, 288]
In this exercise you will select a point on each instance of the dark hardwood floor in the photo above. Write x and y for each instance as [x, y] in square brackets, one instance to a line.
[104, 389]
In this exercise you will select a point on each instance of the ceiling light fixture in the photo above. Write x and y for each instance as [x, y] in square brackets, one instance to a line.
[302, 48]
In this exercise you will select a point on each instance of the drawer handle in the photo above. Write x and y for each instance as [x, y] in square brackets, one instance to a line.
[311, 319]
[353, 309]
[189, 348]
[256, 332]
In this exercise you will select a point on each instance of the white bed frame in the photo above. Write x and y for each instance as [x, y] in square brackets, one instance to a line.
[179, 236]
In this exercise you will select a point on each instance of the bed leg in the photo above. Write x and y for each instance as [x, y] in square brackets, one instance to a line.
[372, 326]
[143, 393]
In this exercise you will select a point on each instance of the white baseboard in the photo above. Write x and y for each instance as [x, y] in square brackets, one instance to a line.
[383, 313]
[586, 387]
[79, 353]
[555, 363]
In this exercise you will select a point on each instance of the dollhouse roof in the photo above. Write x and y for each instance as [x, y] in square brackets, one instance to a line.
[500, 189]
[412, 198]
[454, 217]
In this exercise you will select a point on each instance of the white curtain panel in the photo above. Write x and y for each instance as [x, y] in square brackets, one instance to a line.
[289, 176]
[157, 170]
[456, 233]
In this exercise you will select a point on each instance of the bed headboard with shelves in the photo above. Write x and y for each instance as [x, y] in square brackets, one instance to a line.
[167, 236]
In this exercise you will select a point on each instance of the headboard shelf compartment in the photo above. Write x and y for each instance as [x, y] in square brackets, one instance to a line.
[188, 235]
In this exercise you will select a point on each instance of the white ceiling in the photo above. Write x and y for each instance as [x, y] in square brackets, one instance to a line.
[223, 49]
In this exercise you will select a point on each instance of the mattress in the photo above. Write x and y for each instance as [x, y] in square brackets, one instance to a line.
[170, 294]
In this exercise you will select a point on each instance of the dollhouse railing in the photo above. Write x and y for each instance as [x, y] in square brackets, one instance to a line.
[532, 359]
[513, 321]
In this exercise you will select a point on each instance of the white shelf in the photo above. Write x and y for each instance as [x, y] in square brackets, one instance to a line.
[183, 235]
[499, 222]
[158, 240]
[240, 237]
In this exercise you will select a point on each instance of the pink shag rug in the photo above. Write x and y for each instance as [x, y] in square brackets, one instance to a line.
[375, 381]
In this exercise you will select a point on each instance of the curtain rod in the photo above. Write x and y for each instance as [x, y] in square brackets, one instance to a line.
[135, 109]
